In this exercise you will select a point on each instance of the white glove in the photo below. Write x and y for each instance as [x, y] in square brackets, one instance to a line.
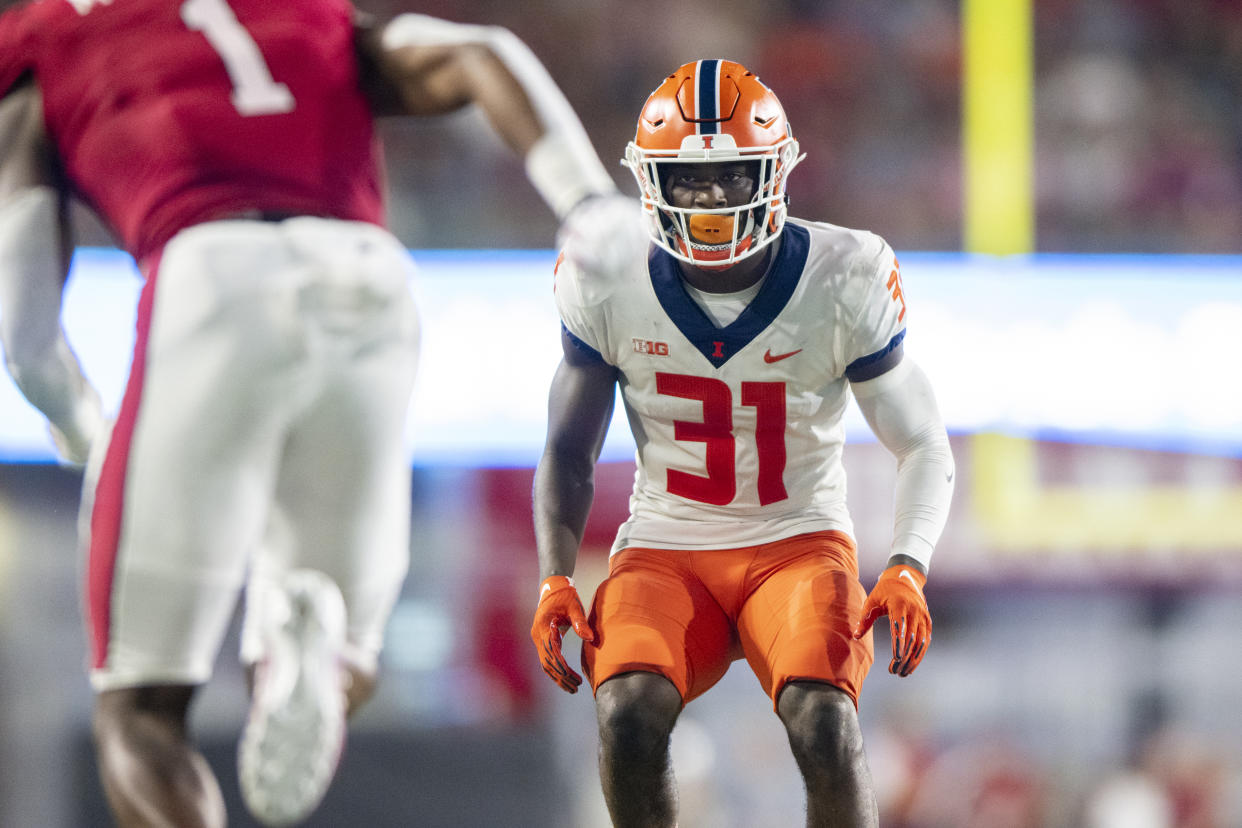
[604, 234]
[74, 442]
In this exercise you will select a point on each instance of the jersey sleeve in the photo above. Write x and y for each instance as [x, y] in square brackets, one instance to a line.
[579, 303]
[874, 340]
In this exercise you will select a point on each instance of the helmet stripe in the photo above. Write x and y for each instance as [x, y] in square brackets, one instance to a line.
[708, 97]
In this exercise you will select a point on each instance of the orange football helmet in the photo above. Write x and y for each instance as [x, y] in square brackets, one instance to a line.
[713, 111]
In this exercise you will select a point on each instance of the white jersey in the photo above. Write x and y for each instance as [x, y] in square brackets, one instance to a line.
[739, 428]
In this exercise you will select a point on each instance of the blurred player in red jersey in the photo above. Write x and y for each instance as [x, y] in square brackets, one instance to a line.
[229, 144]
[737, 338]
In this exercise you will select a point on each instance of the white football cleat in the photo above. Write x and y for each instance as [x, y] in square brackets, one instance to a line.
[293, 739]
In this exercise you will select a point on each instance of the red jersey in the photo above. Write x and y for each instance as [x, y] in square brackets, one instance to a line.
[167, 113]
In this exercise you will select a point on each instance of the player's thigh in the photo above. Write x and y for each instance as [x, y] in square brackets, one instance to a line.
[798, 622]
[215, 379]
[342, 500]
[182, 493]
[651, 614]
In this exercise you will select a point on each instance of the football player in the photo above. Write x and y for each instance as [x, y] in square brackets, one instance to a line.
[230, 146]
[736, 338]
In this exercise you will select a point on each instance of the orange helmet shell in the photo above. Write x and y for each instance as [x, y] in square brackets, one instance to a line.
[713, 111]
[708, 98]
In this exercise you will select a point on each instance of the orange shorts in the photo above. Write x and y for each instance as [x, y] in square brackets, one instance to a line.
[787, 606]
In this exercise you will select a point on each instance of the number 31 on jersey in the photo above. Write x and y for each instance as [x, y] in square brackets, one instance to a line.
[715, 430]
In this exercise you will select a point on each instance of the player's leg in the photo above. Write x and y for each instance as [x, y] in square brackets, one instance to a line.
[636, 713]
[150, 772]
[827, 743]
[178, 502]
[796, 631]
[337, 543]
[156, 631]
[661, 640]
[342, 496]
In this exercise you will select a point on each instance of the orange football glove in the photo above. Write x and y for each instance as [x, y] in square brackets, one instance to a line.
[559, 609]
[899, 594]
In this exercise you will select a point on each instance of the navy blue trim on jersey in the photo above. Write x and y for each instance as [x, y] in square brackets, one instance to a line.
[872, 365]
[586, 349]
[718, 345]
[707, 92]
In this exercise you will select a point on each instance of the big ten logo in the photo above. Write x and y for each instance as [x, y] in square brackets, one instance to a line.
[646, 346]
[896, 291]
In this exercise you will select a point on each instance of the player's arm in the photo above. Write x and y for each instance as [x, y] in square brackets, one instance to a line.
[35, 251]
[580, 407]
[430, 66]
[420, 65]
[901, 409]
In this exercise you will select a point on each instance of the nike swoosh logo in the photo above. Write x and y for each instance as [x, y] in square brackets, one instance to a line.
[770, 357]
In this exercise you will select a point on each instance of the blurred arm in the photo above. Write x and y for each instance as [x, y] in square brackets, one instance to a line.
[901, 409]
[35, 250]
[429, 66]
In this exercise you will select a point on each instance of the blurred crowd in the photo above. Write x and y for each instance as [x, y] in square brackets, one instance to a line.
[1176, 779]
[1139, 125]
[1138, 115]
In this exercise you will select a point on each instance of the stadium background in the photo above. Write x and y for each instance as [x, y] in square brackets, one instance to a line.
[1088, 592]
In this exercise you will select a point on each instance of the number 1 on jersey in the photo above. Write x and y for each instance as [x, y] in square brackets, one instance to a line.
[255, 92]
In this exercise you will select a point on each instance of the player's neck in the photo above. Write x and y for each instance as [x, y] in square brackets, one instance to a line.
[739, 277]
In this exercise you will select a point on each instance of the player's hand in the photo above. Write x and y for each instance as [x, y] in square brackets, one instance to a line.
[559, 609]
[73, 442]
[899, 594]
[604, 234]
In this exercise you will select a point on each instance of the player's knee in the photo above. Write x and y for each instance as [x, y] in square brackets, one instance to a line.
[107, 718]
[822, 725]
[133, 716]
[636, 714]
[359, 685]
[169, 702]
